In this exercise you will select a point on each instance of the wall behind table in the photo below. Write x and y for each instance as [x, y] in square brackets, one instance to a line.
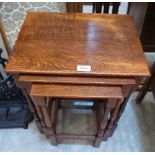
[13, 14]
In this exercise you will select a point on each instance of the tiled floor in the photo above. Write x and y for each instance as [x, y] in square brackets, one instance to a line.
[135, 132]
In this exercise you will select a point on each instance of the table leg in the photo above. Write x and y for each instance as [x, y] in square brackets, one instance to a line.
[56, 106]
[33, 110]
[121, 110]
[109, 105]
[44, 116]
[128, 92]
[111, 121]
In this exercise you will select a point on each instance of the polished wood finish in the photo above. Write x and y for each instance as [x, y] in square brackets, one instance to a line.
[107, 119]
[33, 110]
[45, 118]
[76, 80]
[76, 136]
[108, 43]
[149, 83]
[111, 108]
[74, 91]
[45, 59]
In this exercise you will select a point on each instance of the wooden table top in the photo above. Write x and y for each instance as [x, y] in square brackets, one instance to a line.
[76, 92]
[55, 43]
[76, 80]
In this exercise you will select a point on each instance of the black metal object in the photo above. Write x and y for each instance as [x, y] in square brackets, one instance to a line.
[14, 111]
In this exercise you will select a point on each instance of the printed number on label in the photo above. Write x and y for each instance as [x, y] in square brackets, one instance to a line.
[83, 68]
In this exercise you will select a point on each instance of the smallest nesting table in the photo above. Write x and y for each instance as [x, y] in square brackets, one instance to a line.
[77, 56]
[110, 107]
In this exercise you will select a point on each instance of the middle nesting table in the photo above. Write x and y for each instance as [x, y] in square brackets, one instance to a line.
[109, 95]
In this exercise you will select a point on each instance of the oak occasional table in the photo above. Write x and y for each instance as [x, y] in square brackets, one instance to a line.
[77, 56]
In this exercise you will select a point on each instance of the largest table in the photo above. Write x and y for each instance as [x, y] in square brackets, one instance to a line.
[73, 49]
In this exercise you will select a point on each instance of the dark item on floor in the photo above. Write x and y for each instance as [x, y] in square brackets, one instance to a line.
[149, 83]
[14, 111]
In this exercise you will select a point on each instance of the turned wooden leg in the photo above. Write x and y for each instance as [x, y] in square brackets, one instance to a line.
[44, 115]
[49, 126]
[129, 90]
[56, 106]
[95, 104]
[40, 114]
[41, 117]
[33, 110]
[58, 102]
[103, 124]
[113, 116]
[49, 101]
[99, 106]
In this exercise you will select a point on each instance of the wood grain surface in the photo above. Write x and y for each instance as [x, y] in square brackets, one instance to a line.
[55, 43]
[76, 91]
[75, 80]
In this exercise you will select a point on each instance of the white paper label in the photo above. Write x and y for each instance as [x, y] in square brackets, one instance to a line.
[83, 68]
